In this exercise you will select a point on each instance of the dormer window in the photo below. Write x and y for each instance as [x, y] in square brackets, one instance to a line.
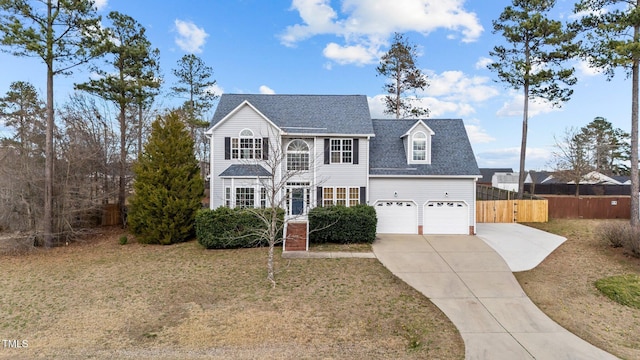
[419, 146]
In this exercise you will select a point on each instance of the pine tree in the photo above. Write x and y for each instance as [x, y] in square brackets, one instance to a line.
[533, 59]
[168, 188]
[398, 65]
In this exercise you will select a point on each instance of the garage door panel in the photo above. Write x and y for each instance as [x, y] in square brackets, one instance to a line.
[397, 217]
[446, 217]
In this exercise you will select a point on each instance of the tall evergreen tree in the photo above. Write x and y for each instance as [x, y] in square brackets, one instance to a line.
[195, 85]
[23, 110]
[136, 73]
[533, 59]
[60, 33]
[168, 187]
[609, 146]
[399, 66]
[611, 42]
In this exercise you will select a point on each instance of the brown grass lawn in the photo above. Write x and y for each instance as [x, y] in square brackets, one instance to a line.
[99, 299]
[563, 287]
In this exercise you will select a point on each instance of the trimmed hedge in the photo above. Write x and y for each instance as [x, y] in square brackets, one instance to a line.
[225, 228]
[343, 225]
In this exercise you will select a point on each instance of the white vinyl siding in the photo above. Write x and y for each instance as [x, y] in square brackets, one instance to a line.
[351, 175]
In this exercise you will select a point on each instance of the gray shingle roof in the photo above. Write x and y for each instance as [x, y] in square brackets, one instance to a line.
[245, 170]
[451, 152]
[306, 114]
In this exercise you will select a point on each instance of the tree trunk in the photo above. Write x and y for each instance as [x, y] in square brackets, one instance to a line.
[47, 217]
[523, 144]
[122, 170]
[635, 183]
[270, 270]
[139, 137]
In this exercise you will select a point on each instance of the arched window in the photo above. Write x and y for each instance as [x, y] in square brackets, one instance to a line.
[419, 146]
[298, 155]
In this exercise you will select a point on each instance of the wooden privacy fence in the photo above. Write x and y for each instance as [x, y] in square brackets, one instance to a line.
[111, 215]
[589, 207]
[510, 211]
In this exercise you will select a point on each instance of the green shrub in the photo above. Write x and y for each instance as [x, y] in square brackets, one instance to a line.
[225, 228]
[343, 225]
[123, 240]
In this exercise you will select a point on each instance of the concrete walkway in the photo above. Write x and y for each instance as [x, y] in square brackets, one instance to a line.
[522, 247]
[476, 289]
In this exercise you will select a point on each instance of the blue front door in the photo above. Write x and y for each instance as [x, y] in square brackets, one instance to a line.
[297, 201]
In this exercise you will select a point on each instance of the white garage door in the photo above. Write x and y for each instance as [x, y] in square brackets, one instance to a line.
[446, 217]
[397, 217]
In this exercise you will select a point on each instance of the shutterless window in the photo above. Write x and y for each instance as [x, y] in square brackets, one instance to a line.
[245, 198]
[227, 197]
[298, 155]
[419, 146]
[263, 197]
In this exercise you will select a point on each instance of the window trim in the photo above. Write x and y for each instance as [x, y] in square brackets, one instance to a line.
[415, 138]
[246, 146]
[249, 201]
[340, 151]
[305, 163]
[340, 196]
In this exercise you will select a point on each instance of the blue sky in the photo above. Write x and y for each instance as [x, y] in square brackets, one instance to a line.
[333, 47]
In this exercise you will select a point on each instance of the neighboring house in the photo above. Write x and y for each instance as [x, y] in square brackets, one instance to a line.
[594, 177]
[419, 175]
[540, 177]
[505, 180]
[487, 174]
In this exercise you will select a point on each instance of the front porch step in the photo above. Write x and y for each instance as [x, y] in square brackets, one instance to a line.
[296, 237]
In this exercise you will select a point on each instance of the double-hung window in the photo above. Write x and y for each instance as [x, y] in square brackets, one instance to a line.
[341, 151]
[342, 196]
[246, 146]
[419, 147]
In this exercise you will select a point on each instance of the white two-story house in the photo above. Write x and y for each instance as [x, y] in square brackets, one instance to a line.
[326, 150]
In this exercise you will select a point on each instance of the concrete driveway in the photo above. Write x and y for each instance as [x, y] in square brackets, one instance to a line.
[472, 284]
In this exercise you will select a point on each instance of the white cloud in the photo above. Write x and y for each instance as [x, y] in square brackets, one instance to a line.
[514, 107]
[510, 157]
[585, 69]
[478, 135]
[191, 38]
[483, 62]
[215, 89]
[356, 54]
[264, 89]
[450, 92]
[100, 4]
[581, 14]
[366, 25]
[457, 86]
